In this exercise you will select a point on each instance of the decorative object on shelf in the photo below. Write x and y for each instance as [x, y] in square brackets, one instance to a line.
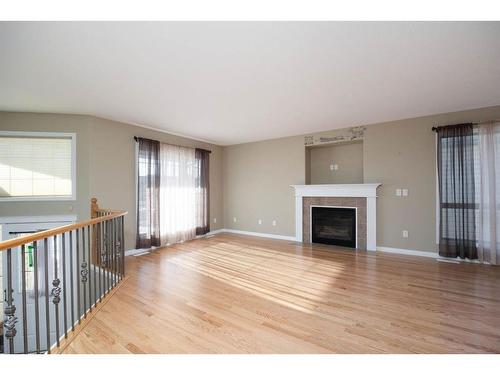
[336, 136]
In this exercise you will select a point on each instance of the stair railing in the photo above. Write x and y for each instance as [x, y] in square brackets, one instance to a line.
[54, 278]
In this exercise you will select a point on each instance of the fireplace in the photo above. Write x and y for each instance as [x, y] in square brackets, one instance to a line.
[333, 225]
[360, 198]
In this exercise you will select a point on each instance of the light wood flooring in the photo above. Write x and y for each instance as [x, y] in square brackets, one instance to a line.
[239, 294]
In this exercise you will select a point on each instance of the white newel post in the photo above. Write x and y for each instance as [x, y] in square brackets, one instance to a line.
[368, 191]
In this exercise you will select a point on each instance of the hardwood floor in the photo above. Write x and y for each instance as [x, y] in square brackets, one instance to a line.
[238, 294]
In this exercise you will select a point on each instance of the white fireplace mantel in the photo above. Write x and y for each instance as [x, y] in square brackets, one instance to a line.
[368, 191]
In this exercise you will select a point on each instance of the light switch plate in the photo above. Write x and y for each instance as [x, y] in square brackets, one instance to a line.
[331, 167]
[274, 223]
[260, 221]
[405, 234]
[215, 219]
[398, 192]
[405, 192]
[234, 219]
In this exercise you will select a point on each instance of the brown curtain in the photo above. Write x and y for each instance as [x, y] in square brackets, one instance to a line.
[148, 194]
[202, 192]
[457, 196]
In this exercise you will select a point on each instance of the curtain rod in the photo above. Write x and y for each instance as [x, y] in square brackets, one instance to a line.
[435, 128]
[202, 149]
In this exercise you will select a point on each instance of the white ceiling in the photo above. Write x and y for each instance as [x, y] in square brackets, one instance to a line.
[234, 82]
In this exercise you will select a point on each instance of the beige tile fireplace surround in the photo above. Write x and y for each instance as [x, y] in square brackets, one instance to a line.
[363, 197]
[358, 203]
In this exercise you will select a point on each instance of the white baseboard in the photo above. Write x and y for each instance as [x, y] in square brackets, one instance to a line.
[259, 234]
[212, 232]
[419, 253]
[140, 251]
[383, 249]
[217, 231]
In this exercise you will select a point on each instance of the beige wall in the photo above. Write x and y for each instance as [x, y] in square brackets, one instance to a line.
[399, 154]
[112, 155]
[348, 157]
[402, 154]
[256, 184]
[81, 125]
[105, 166]
[251, 181]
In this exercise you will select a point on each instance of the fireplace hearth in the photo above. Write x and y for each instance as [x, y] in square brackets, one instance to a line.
[333, 225]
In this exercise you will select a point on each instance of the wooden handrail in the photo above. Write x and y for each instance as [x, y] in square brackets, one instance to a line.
[15, 242]
[94, 269]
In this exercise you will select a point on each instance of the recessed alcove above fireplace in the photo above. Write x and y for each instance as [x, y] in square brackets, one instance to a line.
[358, 197]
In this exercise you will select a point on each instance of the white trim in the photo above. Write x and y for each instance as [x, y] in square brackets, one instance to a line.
[37, 219]
[38, 198]
[337, 190]
[259, 234]
[217, 231]
[211, 233]
[393, 250]
[321, 206]
[140, 251]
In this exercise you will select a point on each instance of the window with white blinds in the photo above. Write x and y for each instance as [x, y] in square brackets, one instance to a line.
[37, 166]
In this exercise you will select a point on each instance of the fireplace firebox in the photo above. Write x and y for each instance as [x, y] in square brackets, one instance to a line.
[333, 226]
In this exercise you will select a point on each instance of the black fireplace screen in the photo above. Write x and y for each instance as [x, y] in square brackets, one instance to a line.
[334, 226]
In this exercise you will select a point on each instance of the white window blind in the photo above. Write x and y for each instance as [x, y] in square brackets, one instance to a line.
[37, 166]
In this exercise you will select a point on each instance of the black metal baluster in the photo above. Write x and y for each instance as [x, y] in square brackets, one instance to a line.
[77, 266]
[99, 256]
[115, 248]
[113, 253]
[35, 290]
[94, 255]
[83, 274]
[23, 291]
[89, 245]
[106, 257]
[71, 279]
[64, 285]
[46, 274]
[9, 311]
[122, 219]
[56, 291]
[118, 250]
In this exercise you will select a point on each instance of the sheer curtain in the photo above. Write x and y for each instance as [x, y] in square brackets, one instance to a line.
[488, 221]
[202, 192]
[148, 193]
[177, 194]
[457, 191]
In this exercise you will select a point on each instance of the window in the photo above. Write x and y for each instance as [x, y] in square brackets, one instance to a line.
[37, 166]
[460, 198]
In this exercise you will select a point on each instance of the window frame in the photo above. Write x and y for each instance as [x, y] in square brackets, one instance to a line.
[48, 198]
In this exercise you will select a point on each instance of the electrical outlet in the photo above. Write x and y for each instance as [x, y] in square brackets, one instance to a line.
[215, 220]
[405, 192]
[398, 192]
[234, 219]
[274, 223]
[405, 234]
[260, 221]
